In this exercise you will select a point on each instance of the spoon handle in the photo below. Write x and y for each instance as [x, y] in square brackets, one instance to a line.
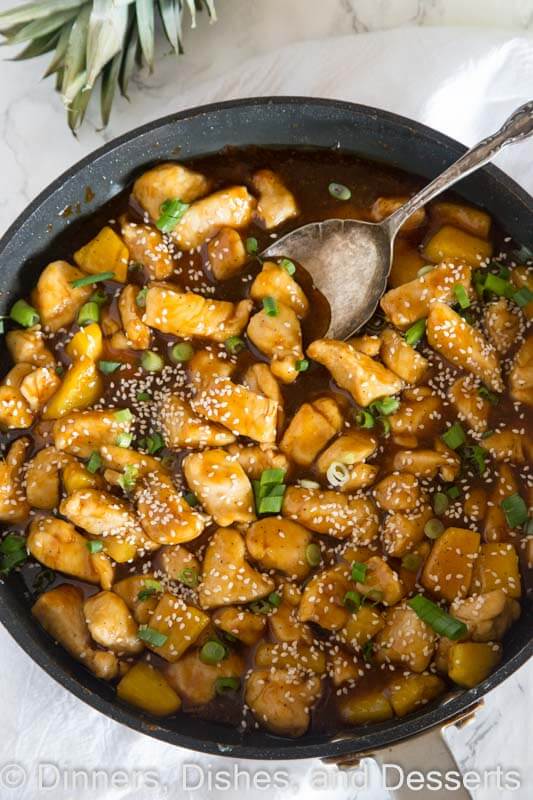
[517, 127]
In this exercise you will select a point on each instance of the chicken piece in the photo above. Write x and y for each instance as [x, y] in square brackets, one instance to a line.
[284, 622]
[279, 337]
[260, 379]
[406, 640]
[14, 506]
[226, 254]
[502, 324]
[425, 463]
[111, 624]
[279, 544]
[398, 492]
[448, 569]
[383, 207]
[247, 627]
[487, 616]
[206, 365]
[471, 407]
[42, 478]
[350, 449]
[419, 414]
[138, 334]
[311, 428]
[360, 628]
[369, 345]
[103, 515]
[337, 514]
[276, 203]
[82, 432]
[509, 445]
[323, 598]
[168, 182]
[15, 411]
[196, 681]
[178, 623]
[497, 567]
[344, 667]
[57, 545]
[463, 345]
[496, 528]
[381, 582]
[60, 612]
[54, 297]
[222, 486]
[274, 281]
[470, 219]
[522, 277]
[187, 314]
[16, 375]
[401, 358]
[147, 247]
[164, 514]
[245, 413]
[179, 564]
[120, 458]
[364, 378]
[139, 598]
[28, 347]
[403, 531]
[412, 301]
[281, 700]
[296, 655]
[38, 387]
[232, 207]
[227, 578]
[521, 374]
[256, 458]
[181, 427]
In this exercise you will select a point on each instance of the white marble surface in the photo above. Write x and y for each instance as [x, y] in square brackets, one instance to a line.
[462, 81]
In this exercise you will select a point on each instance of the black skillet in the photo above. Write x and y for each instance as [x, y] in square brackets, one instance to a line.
[284, 122]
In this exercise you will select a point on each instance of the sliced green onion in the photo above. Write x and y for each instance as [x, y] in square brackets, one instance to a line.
[438, 619]
[364, 419]
[274, 599]
[434, 528]
[260, 607]
[140, 299]
[522, 297]
[453, 492]
[124, 439]
[189, 577]
[488, 395]
[98, 297]
[337, 473]
[359, 571]
[212, 652]
[13, 552]
[94, 463]
[172, 210]
[385, 406]
[129, 477]
[270, 305]
[60, 369]
[287, 265]
[454, 437]
[95, 547]
[339, 191]
[313, 554]
[191, 499]
[152, 361]
[151, 587]
[223, 685]
[301, 364]
[385, 424]
[181, 352]
[461, 295]
[271, 504]
[477, 455]
[251, 246]
[424, 270]
[515, 510]
[376, 595]
[272, 476]
[153, 443]
[234, 345]
[497, 285]
[123, 415]
[441, 503]
[411, 562]
[107, 367]
[416, 332]
[88, 313]
[152, 636]
[88, 280]
[352, 600]
[24, 314]
[528, 527]
[306, 484]
[368, 651]
[144, 397]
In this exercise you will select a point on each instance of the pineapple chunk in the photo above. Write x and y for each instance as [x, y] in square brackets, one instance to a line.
[232, 207]
[276, 203]
[520, 277]
[145, 686]
[179, 623]
[448, 570]
[463, 345]
[364, 378]
[364, 704]
[187, 314]
[181, 427]
[196, 682]
[80, 388]
[496, 528]
[405, 640]
[323, 599]
[279, 337]
[28, 347]
[298, 655]
[412, 301]
[469, 663]
[105, 253]
[497, 567]
[274, 281]
[311, 428]
[57, 545]
[452, 243]
[334, 513]
[168, 182]
[75, 476]
[138, 334]
[470, 406]
[360, 627]
[87, 342]
[226, 254]
[280, 544]
[147, 247]
[221, 485]
[282, 700]
[383, 207]
[14, 506]
[406, 261]
[54, 297]
[521, 375]
[409, 692]
[283, 622]
[401, 358]
[469, 219]
[247, 627]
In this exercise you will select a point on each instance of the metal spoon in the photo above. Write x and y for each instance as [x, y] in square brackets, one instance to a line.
[350, 261]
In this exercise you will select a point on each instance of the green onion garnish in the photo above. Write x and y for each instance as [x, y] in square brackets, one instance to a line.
[438, 619]
[129, 477]
[461, 295]
[260, 607]
[212, 652]
[95, 547]
[172, 210]
[339, 191]
[368, 651]
[301, 365]
[440, 503]
[151, 636]
[98, 297]
[13, 552]
[434, 528]
[411, 562]
[269, 491]
[528, 527]
[287, 265]
[497, 285]
[88, 313]
[124, 439]
[515, 510]
[123, 415]
[144, 397]
[385, 406]
[488, 395]
[270, 476]
[271, 306]
[152, 361]
[313, 554]
[359, 572]
[454, 437]
[181, 352]
[234, 345]
[453, 492]
[416, 332]
[88, 280]
[107, 367]
[477, 455]
[271, 504]
[352, 600]
[154, 443]
[274, 599]
[364, 419]
[251, 246]
[140, 299]
[191, 499]
[94, 463]
[223, 685]
[151, 587]
[189, 577]
[522, 297]
[24, 314]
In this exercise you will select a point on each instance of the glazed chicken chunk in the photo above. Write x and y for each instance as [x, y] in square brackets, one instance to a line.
[232, 208]
[279, 337]
[168, 181]
[14, 506]
[243, 412]
[181, 427]
[274, 281]
[282, 699]
[54, 297]
[147, 247]
[276, 203]
[222, 486]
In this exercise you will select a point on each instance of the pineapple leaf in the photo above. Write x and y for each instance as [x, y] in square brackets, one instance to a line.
[42, 26]
[171, 17]
[107, 31]
[34, 11]
[110, 77]
[78, 107]
[61, 50]
[192, 9]
[145, 23]
[39, 46]
[74, 61]
[129, 59]
[211, 10]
